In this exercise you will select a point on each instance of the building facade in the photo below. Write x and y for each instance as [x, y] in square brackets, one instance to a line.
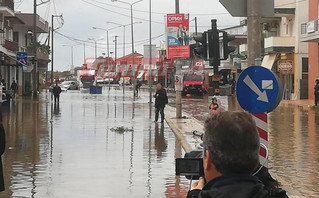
[310, 35]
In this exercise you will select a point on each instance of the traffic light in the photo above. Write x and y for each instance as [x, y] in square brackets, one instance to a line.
[226, 48]
[200, 48]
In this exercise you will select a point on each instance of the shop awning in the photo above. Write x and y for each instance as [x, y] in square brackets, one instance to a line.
[269, 61]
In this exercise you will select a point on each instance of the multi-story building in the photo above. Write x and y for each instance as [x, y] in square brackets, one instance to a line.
[16, 36]
[284, 52]
[22, 35]
[310, 35]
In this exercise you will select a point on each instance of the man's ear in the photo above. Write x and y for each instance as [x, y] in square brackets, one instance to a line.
[207, 161]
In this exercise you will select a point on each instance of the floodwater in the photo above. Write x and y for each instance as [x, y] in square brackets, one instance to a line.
[70, 149]
[293, 142]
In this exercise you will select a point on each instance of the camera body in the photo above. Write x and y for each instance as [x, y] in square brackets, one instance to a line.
[191, 166]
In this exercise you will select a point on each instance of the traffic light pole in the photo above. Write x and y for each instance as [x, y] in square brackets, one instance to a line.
[178, 66]
[253, 19]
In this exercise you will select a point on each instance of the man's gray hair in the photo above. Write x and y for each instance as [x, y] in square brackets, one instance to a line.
[233, 142]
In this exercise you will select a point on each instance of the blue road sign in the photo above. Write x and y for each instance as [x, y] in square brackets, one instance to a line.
[258, 90]
[22, 58]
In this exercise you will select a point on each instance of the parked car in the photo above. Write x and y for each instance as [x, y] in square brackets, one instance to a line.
[70, 85]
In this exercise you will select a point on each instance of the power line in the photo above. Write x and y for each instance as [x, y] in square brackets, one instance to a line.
[159, 13]
[142, 19]
[92, 44]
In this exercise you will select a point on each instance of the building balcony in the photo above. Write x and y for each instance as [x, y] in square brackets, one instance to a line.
[279, 44]
[7, 7]
[43, 58]
[310, 31]
[27, 19]
[11, 46]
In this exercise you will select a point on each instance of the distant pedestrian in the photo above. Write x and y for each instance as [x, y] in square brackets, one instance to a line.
[317, 92]
[214, 107]
[2, 149]
[137, 88]
[14, 88]
[160, 101]
[56, 92]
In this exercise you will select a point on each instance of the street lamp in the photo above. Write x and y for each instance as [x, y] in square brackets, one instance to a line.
[95, 44]
[107, 46]
[124, 26]
[72, 54]
[132, 30]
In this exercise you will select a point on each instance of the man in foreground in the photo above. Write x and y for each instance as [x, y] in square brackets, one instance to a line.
[231, 154]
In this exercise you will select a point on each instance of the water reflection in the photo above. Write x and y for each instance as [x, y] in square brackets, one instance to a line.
[68, 150]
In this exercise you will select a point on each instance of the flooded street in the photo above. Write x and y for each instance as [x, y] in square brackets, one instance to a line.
[293, 142]
[72, 150]
[75, 149]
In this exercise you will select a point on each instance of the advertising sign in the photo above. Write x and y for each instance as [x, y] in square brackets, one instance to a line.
[22, 58]
[177, 31]
[285, 65]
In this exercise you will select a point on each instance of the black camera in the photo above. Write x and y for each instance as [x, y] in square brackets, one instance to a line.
[191, 166]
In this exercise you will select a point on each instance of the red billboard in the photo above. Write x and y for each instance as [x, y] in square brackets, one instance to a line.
[177, 31]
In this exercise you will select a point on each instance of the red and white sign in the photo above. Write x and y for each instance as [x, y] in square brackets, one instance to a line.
[199, 65]
[177, 31]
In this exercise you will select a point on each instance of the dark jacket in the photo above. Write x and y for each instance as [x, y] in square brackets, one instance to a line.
[317, 89]
[57, 90]
[233, 186]
[2, 148]
[14, 86]
[160, 98]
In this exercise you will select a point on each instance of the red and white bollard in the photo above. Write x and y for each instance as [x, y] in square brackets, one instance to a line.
[262, 127]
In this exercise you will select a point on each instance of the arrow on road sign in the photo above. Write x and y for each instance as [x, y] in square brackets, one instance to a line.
[262, 96]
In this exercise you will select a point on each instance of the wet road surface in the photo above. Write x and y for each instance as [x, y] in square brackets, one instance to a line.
[69, 150]
[293, 142]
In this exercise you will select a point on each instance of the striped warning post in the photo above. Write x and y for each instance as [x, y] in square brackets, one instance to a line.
[262, 127]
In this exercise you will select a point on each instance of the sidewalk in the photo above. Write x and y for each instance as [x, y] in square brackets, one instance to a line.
[184, 127]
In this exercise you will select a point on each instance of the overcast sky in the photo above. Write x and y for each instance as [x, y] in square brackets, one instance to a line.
[81, 15]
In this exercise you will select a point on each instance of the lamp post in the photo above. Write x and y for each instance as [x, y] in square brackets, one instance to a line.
[72, 54]
[132, 32]
[95, 44]
[52, 45]
[124, 26]
[107, 46]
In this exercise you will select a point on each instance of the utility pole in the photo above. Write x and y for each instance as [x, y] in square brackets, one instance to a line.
[196, 26]
[150, 64]
[35, 72]
[52, 49]
[253, 19]
[115, 55]
[178, 72]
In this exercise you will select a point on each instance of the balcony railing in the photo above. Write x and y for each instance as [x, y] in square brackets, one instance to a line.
[309, 27]
[11, 46]
[7, 3]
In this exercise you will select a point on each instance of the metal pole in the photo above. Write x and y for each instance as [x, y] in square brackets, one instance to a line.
[150, 64]
[71, 56]
[124, 56]
[95, 49]
[52, 50]
[115, 54]
[34, 73]
[253, 19]
[84, 52]
[196, 26]
[176, 6]
[178, 72]
[108, 56]
[132, 32]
